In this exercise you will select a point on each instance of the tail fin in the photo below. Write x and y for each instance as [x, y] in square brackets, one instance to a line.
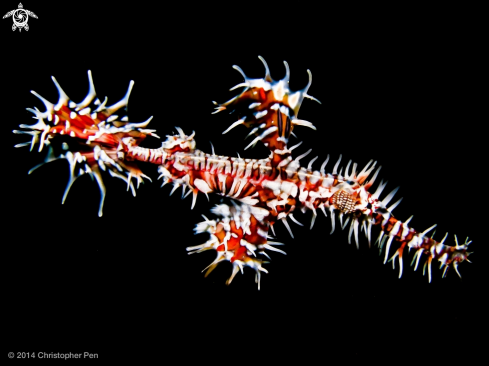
[393, 229]
[349, 196]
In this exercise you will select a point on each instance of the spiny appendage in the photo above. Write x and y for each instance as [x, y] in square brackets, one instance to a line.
[88, 135]
[270, 108]
[393, 229]
[347, 194]
[238, 236]
[370, 209]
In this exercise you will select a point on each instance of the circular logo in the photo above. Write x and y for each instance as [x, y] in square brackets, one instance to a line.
[20, 17]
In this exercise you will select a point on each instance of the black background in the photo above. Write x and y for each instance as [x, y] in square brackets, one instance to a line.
[402, 87]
